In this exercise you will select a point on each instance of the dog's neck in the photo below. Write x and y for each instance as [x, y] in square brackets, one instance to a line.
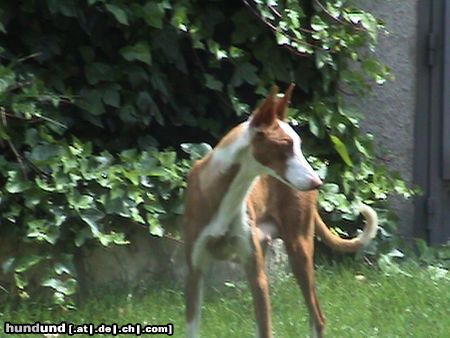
[230, 172]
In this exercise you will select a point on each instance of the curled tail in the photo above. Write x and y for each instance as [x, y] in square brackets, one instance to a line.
[353, 244]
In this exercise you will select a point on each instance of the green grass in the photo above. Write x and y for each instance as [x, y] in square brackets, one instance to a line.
[409, 304]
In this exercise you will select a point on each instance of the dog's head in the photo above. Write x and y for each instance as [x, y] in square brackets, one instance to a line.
[277, 146]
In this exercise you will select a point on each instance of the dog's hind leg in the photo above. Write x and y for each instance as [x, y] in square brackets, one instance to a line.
[300, 250]
[256, 275]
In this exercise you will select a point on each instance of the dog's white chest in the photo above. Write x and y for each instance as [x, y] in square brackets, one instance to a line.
[228, 233]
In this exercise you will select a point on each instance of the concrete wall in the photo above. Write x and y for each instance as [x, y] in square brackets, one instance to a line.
[389, 112]
[149, 259]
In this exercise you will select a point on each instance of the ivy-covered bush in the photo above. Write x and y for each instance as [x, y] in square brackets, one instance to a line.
[97, 96]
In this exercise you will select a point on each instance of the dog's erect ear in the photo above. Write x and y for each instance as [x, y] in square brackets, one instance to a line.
[283, 104]
[265, 114]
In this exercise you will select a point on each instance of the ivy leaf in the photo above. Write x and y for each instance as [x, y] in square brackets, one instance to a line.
[135, 216]
[180, 18]
[97, 71]
[42, 231]
[118, 13]
[26, 262]
[111, 97]
[140, 51]
[154, 225]
[212, 83]
[196, 150]
[78, 201]
[20, 280]
[245, 72]
[16, 183]
[318, 24]
[45, 153]
[65, 266]
[294, 17]
[334, 11]
[282, 39]
[342, 150]
[66, 287]
[90, 217]
[112, 205]
[153, 14]
[118, 238]
[92, 102]
[376, 70]
[82, 235]
[43, 184]
[146, 104]
[314, 126]
[32, 137]
[67, 8]
[92, 2]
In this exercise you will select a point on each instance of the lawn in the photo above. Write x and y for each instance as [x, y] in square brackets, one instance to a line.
[358, 302]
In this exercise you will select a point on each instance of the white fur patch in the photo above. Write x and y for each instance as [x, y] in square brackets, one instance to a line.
[293, 135]
[225, 157]
[299, 172]
[371, 228]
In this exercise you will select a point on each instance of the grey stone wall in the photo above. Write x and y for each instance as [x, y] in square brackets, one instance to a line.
[148, 259]
[389, 112]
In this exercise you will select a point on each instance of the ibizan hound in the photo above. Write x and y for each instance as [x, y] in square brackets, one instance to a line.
[256, 185]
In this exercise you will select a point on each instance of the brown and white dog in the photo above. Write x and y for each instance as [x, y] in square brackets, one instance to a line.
[256, 185]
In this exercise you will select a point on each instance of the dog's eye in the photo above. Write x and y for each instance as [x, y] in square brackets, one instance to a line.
[260, 133]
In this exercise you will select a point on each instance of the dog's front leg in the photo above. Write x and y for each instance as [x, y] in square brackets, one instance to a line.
[257, 279]
[193, 302]
[194, 294]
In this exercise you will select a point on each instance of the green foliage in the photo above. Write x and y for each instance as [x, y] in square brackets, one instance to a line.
[433, 256]
[61, 194]
[97, 97]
